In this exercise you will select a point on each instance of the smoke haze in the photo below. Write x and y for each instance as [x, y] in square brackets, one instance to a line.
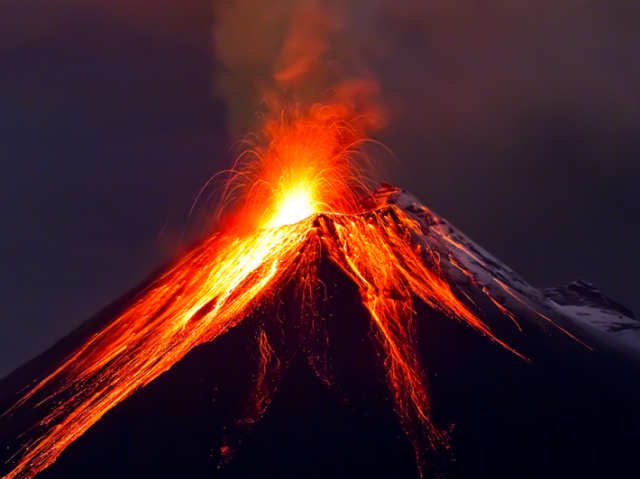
[294, 49]
[449, 70]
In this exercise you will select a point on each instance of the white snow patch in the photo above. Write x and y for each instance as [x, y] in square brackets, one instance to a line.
[611, 327]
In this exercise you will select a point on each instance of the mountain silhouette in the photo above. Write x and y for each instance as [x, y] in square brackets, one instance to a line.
[566, 406]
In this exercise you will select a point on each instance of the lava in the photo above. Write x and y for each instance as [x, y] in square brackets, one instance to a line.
[302, 197]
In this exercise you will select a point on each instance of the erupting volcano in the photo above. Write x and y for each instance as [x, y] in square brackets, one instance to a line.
[300, 198]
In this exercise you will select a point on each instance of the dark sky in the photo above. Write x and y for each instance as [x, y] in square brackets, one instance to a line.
[519, 123]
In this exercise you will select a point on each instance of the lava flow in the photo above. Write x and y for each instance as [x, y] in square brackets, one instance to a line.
[298, 199]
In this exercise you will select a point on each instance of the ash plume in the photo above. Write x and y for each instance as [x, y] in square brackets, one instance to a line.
[500, 75]
[302, 49]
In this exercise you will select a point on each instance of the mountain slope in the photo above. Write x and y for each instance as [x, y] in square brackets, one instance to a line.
[567, 412]
[579, 306]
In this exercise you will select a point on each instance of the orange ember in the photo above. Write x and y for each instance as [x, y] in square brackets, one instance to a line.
[303, 196]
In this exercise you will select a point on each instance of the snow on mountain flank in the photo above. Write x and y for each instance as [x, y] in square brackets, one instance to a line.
[601, 319]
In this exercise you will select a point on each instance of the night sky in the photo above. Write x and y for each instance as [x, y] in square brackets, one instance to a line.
[517, 121]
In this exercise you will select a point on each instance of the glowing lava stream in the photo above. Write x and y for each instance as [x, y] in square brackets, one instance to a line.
[229, 275]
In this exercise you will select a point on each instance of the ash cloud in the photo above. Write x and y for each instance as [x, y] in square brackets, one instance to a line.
[304, 49]
[489, 73]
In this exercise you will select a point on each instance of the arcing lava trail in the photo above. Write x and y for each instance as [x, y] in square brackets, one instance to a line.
[302, 200]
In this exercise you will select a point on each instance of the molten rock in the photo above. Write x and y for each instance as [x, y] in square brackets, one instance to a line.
[521, 382]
